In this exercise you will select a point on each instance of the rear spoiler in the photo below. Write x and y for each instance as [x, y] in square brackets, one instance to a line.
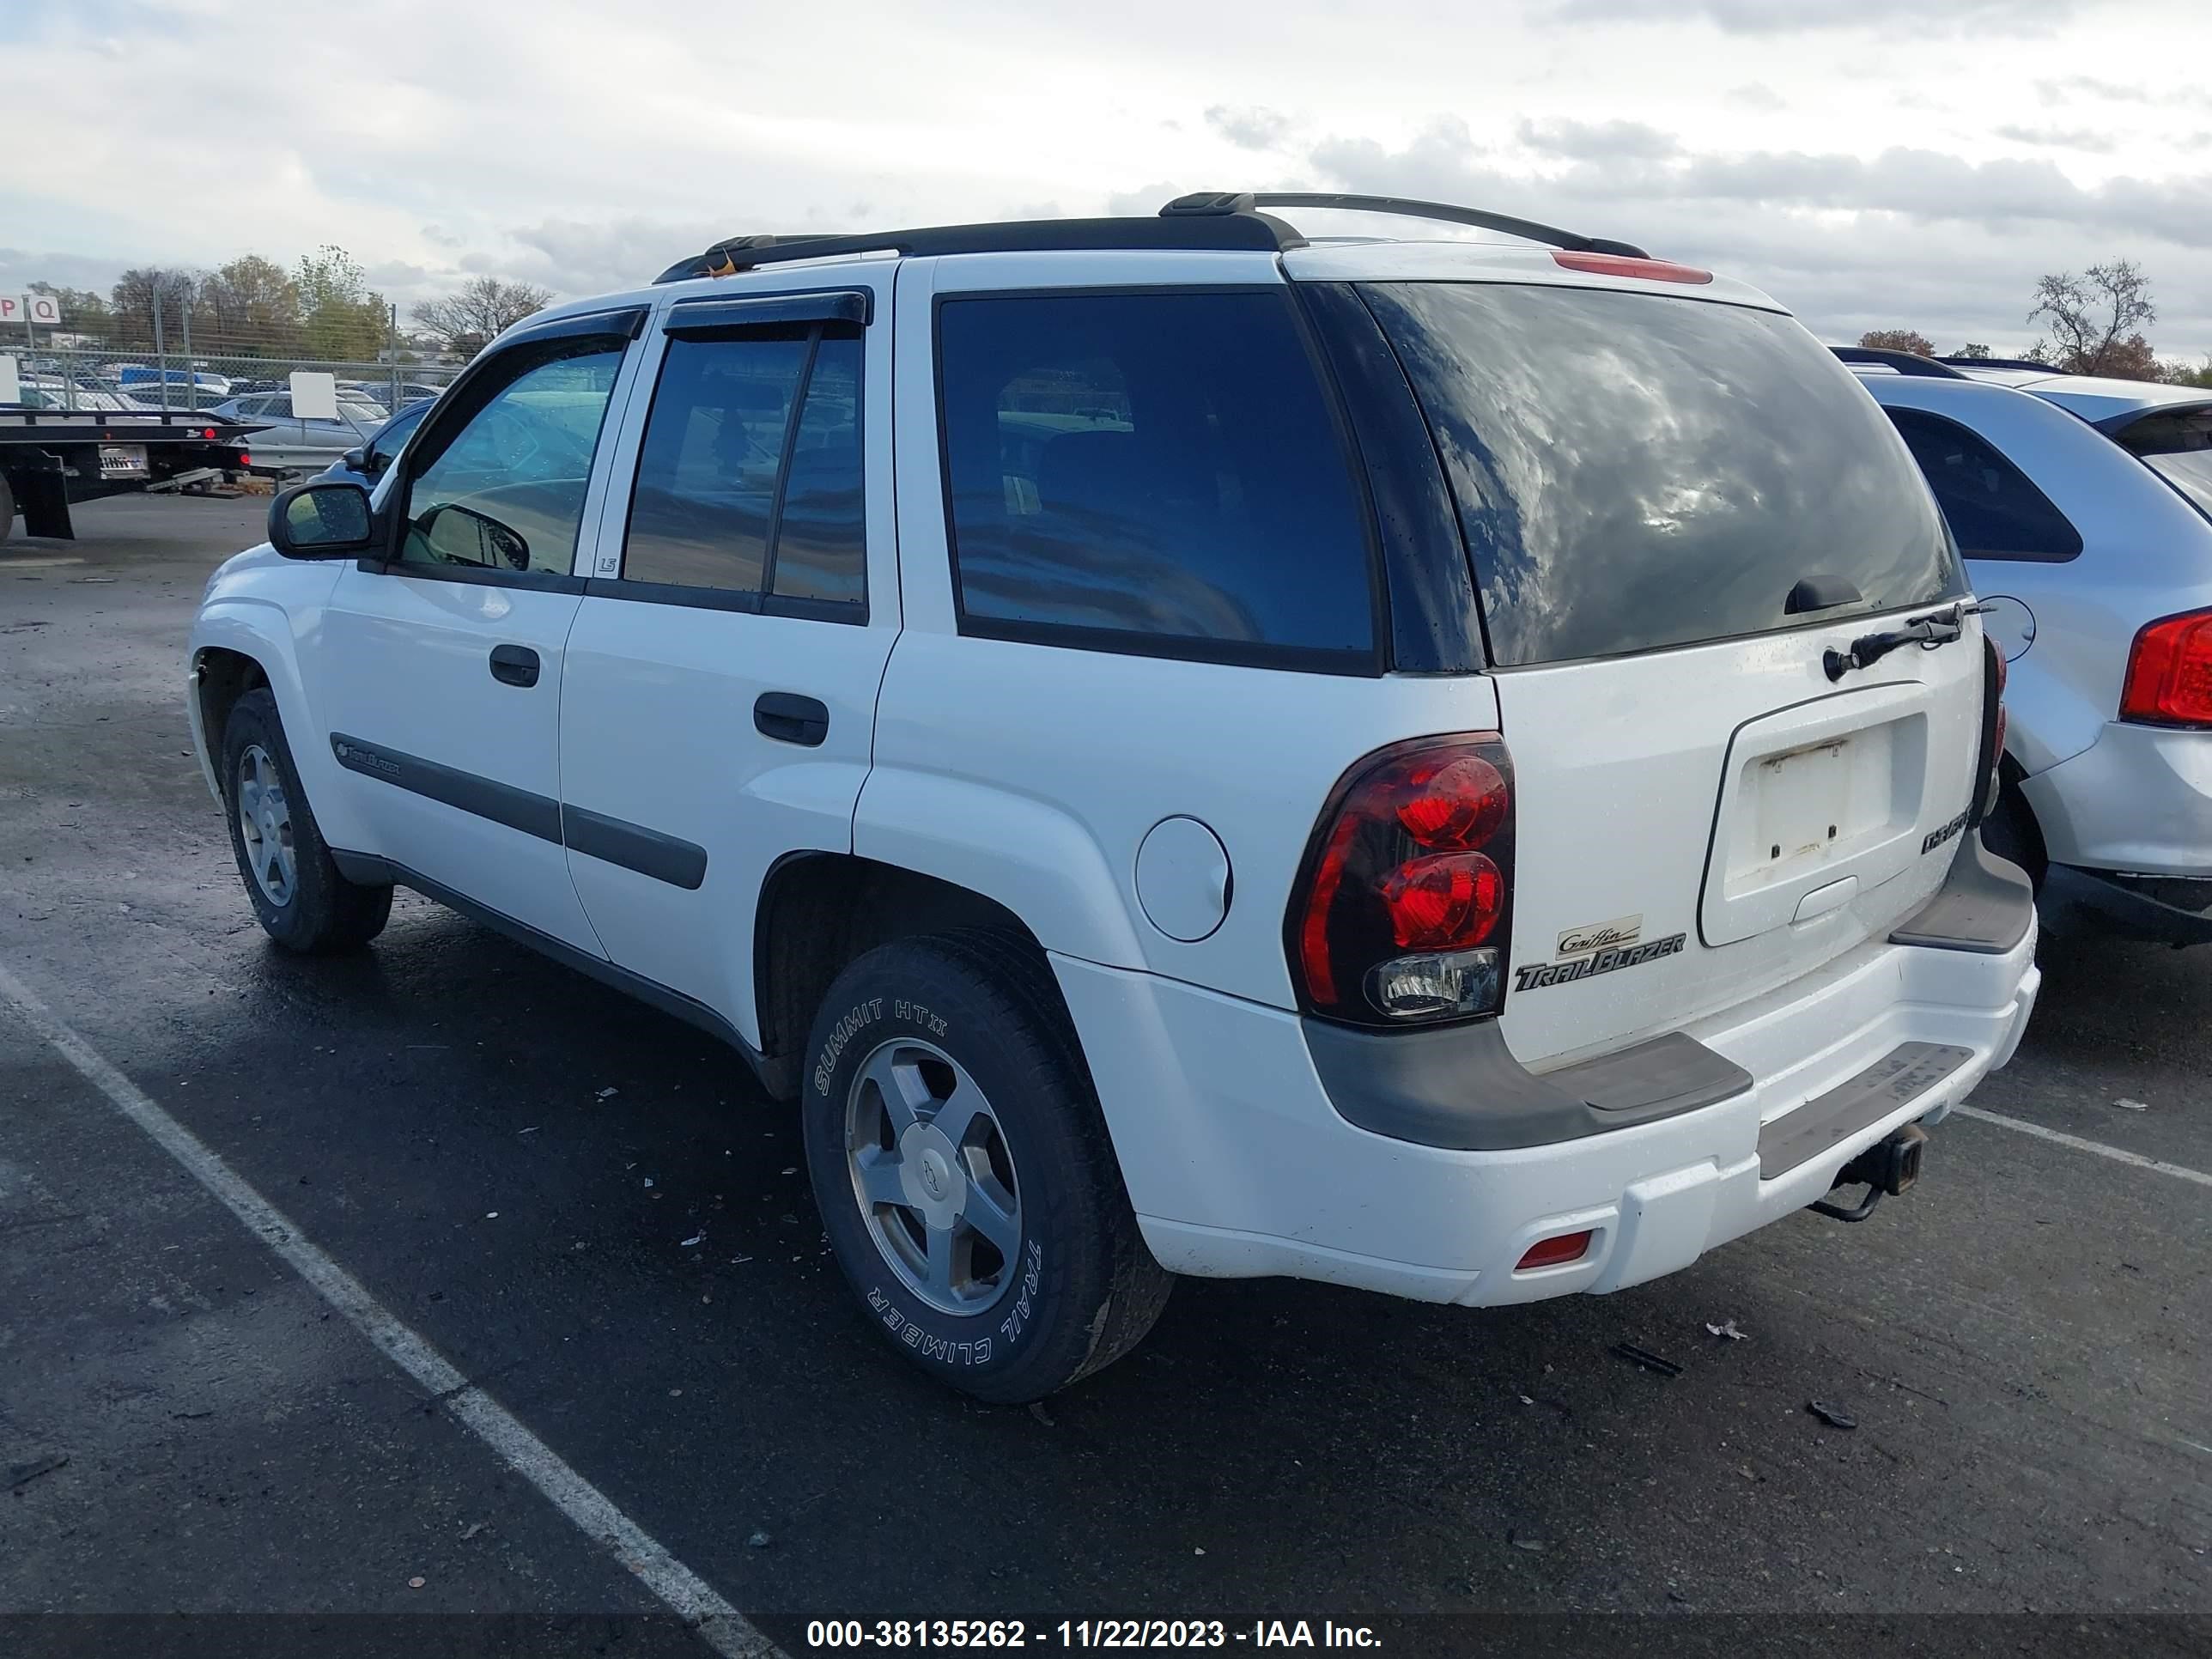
[2112, 425]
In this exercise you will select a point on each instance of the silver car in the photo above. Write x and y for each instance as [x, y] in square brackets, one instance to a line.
[285, 443]
[2084, 508]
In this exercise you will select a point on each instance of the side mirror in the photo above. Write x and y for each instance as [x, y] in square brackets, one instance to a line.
[319, 521]
[461, 535]
[355, 460]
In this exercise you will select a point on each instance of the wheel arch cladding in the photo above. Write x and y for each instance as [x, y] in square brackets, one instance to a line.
[819, 912]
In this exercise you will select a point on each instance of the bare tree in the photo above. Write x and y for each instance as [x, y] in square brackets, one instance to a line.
[1899, 339]
[2096, 320]
[481, 308]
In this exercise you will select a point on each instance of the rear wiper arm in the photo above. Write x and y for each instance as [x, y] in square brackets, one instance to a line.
[1926, 632]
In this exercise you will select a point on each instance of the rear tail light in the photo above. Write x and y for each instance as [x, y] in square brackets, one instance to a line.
[1402, 912]
[1994, 726]
[2170, 673]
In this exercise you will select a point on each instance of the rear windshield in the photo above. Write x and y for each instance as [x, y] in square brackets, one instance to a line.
[1633, 472]
[2178, 447]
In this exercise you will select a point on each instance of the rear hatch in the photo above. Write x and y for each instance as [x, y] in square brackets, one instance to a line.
[1674, 507]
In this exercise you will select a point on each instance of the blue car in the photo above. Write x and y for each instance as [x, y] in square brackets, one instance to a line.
[366, 464]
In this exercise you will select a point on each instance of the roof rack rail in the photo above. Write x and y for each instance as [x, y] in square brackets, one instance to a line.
[1250, 231]
[1223, 204]
[2006, 362]
[1905, 363]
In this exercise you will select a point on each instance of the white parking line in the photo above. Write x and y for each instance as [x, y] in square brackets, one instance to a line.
[2118, 1155]
[691, 1597]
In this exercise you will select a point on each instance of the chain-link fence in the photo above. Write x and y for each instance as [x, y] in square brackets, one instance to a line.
[72, 377]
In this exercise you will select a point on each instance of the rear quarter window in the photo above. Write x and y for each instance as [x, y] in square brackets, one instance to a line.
[1994, 509]
[1633, 472]
[1161, 473]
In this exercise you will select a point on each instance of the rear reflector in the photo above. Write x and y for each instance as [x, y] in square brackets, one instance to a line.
[1617, 264]
[1551, 1252]
[2170, 673]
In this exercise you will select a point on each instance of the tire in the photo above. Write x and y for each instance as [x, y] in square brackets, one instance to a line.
[1068, 1286]
[312, 910]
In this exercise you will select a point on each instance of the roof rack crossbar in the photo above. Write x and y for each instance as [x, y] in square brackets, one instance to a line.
[1905, 363]
[2006, 362]
[1250, 231]
[1221, 204]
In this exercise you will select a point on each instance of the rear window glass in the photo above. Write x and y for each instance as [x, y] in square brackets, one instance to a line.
[1633, 472]
[2178, 447]
[1994, 511]
[1151, 472]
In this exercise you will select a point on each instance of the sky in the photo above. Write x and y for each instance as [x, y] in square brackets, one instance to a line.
[1870, 163]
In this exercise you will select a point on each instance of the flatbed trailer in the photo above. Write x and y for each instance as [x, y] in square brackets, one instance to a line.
[51, 458]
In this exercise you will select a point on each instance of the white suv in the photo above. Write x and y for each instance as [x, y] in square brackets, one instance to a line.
[1433, 766]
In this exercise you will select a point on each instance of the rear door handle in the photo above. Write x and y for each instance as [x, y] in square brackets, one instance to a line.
[515, 665]
[789, 718]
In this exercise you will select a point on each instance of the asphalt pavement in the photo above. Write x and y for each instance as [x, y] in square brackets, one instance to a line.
[588, 1211]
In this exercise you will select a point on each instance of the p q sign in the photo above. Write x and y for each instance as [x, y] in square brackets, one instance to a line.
[40, 309]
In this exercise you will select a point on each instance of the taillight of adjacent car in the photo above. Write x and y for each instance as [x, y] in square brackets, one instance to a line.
[1402, 913]
[2170, 673]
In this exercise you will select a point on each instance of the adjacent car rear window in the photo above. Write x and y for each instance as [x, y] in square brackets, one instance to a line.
[1153, 472]
[2178, 446]
[1634, 471]
[1995, 511]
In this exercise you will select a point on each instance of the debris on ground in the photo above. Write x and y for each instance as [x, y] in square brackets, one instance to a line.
[1528, 1541]
[1727, 1328]
[759, 1540]
[2132, 1105]
[21, 1474]
[531, 1130]
[1647, 1360]
[649, 1181]
[472, 1529]
[1037, 1410]
[416, 1582]
[1830, 1416]
[695, 1238]
[607, 1093]
[491, 1215]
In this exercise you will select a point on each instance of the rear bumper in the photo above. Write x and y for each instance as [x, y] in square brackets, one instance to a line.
[2139, 798]
[1239, 1164]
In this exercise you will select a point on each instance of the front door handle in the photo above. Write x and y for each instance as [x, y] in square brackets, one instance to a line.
[789, 718]
[515, 665]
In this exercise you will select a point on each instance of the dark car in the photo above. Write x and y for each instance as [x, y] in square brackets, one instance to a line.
[366, 464]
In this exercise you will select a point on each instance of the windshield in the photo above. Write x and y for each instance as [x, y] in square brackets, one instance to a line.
[1635, 471]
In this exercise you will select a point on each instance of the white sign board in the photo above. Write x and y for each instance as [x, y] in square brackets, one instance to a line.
[40, 309]
[11, 386]
[314, 395]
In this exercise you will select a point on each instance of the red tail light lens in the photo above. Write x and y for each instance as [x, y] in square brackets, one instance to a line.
[2170, 673]
[1402, 911]
[1551, 1252]
[1617, 264]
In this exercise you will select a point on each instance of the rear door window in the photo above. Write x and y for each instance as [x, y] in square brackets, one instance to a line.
[1995, 511]
[1156, 473]
[749, 478]
[1633, 472]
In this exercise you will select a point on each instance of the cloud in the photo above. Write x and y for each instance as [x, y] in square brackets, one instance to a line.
[1758, 95]
[1981, 17]
[2070, 88]
[2081, 138]
[1598, 141]
[1907, 238]
[1254, 127]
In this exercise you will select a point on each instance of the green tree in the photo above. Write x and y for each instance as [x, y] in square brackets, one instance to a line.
[250, 307]
[342, 318]
[83, 311]
[1975, 349]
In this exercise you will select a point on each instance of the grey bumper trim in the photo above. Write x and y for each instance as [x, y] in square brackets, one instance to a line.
[1985, 905]
[1898, 1078]
[1460, 1088]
